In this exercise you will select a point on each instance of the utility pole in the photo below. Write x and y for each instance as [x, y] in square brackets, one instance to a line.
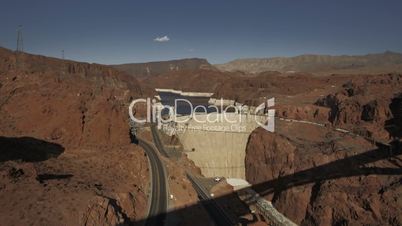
[63, 69]
[20, 41]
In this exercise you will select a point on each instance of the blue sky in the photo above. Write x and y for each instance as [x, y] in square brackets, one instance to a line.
[123, 31]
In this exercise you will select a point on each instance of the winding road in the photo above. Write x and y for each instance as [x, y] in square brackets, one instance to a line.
[159, 194]
[157, 141]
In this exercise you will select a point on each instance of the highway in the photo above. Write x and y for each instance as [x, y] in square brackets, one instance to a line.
[217, 213]
[157, 141]
[159, 193]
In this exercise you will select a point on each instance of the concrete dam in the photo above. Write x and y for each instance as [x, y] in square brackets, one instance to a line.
[215, 140]
[217, 148]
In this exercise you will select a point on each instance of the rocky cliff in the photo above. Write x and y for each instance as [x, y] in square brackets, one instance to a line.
[65, 146]
[364, 105]
[72, 103]
[322, 178]
[329, 177]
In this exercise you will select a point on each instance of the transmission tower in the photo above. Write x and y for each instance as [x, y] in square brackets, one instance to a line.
[20, 48]
[20, 41]
[62, 54]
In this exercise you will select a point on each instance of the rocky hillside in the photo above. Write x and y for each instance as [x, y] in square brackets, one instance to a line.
[327, 176]
[156, 68]
[66, 154]
[74, 103]
[367, 105]
[320, 64]
[201, 80]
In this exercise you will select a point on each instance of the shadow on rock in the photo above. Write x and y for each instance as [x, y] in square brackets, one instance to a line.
[394, 125]
[27, 149]
[44, 177]
[348, 167]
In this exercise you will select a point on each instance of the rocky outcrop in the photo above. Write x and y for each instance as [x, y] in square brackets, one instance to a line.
[266, 150]
[81, 187]
[364, 104]
[310, 113]
[85, 104]
[322, 183]
[66, 154]
[343, 110]
[107, 211]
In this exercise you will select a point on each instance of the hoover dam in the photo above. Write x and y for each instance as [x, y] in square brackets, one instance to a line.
[216, 141]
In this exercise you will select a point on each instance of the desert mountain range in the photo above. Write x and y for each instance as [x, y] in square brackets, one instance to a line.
[160, 67]
[320, 64]
[307, 63]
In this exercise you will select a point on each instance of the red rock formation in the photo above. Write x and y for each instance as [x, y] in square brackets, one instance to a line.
[308, 112]
[364, 104]
[84, 105]
[80, 110]
[308, 180]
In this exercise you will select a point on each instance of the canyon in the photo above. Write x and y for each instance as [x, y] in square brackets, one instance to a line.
[345, 116]
[65, 139]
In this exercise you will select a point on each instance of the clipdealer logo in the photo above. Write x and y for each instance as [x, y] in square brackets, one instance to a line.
[263, 115]
[269, 124]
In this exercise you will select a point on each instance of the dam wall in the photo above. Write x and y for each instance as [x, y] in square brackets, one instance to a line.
[217, 148]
